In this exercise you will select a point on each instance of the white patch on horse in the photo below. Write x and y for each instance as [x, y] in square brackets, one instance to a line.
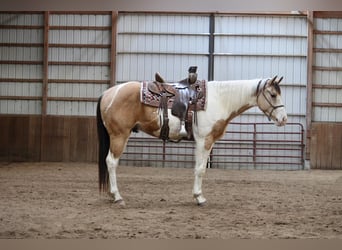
[114, 95]
[112, 164]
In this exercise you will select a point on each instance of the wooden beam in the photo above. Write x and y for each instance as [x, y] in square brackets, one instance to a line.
[73, 99]
[327, 32]
[20, 80]
[326, 86]
[327, 105]
[328, 14]
[80, 28]
[20, 62]
[21, 45]
[321, 68]
[18, 27]
[321, 50]
[71, 81]
[310, 23]
[113, 52]
[80, 63]
[20, 98]
[72, 45]
[45, 64]
[58, 12]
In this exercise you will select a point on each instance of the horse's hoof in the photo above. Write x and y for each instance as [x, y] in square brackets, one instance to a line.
[120, 202]
[201, 204]
[200, 200]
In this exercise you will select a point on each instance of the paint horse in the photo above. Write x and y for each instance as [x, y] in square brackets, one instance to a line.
[120, 110]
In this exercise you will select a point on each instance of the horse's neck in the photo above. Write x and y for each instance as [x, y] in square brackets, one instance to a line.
[235, 96]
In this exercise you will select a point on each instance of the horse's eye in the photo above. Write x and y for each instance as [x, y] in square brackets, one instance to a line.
[273, 95]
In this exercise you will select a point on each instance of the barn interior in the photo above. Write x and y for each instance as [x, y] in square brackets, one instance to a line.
[58, 57]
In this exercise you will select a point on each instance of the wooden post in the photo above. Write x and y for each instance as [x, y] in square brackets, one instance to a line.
[45, 80]
[309, 82]
[45, 63]
[113, 49]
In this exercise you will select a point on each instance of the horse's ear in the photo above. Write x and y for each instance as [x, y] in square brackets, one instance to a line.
[281, 78]
[271, 82]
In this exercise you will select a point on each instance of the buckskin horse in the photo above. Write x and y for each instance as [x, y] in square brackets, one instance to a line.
[120, 110]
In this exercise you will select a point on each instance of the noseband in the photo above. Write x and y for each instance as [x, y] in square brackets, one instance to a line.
[267, 100]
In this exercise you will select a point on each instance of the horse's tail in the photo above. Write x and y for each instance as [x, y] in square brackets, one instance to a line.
[104, 143]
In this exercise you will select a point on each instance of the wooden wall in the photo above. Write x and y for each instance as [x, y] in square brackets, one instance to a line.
[20, 137]
[326, 146]
[51, 138]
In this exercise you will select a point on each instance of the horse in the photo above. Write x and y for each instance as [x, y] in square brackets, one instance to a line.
[120, 111]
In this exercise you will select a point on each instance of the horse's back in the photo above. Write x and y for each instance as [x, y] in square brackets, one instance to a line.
[122, 108]
[120, 92]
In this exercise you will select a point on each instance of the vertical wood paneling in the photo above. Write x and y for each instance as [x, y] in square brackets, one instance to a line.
[74, 139]
[20, 138]
[326, 146]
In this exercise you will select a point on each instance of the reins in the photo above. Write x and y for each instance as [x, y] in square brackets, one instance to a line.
[267, 100]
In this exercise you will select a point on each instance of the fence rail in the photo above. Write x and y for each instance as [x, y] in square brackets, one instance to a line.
[244, 146]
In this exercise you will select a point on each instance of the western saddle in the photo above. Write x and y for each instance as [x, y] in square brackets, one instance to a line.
[184, 98]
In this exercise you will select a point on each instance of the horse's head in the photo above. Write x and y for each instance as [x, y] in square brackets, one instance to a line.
[269, 100]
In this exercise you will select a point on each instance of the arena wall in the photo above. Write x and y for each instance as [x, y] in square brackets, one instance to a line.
[55, 64]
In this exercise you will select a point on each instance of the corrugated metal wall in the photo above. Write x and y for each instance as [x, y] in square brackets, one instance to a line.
[79, 62]
[327, 80]
[21, 67]
[168, 43]
[248, 47]
[243, 47]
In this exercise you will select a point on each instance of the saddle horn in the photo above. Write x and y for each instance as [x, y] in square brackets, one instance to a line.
[159, 78]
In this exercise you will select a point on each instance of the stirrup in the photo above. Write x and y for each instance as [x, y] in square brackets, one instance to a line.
[183, 131]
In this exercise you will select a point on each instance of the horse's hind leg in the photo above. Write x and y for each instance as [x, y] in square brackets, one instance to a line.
[117, 146]
[112, 164]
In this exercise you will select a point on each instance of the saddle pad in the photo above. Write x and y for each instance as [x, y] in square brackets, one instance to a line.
[151, 99]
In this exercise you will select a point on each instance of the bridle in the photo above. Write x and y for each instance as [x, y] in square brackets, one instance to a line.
[269, 115]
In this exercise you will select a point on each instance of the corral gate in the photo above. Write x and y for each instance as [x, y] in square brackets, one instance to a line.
[247, 147]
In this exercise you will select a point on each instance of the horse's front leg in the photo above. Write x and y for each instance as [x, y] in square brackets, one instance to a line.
[201, 155]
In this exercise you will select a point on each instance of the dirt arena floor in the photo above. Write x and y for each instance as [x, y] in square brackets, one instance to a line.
[55, 200]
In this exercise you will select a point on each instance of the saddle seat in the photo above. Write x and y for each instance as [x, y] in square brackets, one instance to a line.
[160, 88]
[182, 98]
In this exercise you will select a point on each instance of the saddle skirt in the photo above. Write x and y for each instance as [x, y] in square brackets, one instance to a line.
[151, 94]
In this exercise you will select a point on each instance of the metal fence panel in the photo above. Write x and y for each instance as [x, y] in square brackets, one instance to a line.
[244, 146]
